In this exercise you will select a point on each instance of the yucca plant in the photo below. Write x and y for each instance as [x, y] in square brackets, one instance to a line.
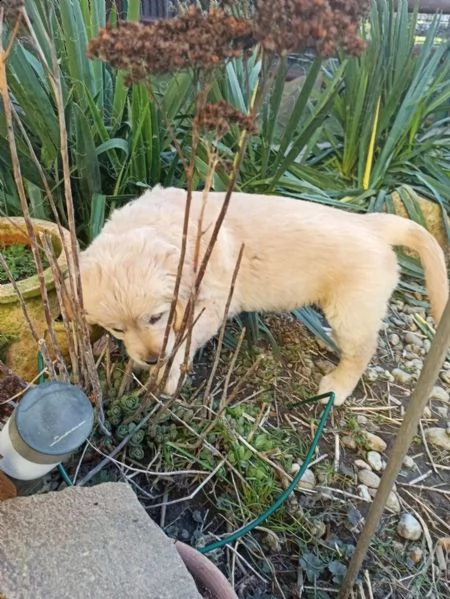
[389, 124]
[117, 137]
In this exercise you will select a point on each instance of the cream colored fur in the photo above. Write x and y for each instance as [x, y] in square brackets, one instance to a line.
[296, 253]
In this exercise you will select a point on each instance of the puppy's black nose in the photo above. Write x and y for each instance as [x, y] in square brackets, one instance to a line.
[151, 360]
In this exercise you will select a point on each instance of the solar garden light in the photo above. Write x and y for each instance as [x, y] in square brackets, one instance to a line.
[50, 422]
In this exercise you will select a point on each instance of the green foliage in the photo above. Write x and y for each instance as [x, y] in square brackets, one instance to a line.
[118, 140]
[20, 261]
[354, 130]
[5, 342]
[397, 92]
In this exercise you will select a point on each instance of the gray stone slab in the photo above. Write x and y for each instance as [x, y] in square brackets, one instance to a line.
[87, 543]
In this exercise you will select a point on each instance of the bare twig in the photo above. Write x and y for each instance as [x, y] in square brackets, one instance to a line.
[224, 323]
[427, 449]
[418, 401]
[7, 109]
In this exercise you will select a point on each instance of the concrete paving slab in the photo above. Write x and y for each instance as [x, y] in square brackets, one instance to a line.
[87, 543]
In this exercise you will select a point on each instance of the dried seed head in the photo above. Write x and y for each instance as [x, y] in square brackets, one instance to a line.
[10, 385]
[219, 116]
[193, 39]
[283, 26]
[12, 8]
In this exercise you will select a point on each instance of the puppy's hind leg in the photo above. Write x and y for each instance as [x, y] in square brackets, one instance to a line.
[356, 318]
[356, 352]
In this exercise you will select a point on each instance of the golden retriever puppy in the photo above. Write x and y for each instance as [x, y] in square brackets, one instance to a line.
[295, 253]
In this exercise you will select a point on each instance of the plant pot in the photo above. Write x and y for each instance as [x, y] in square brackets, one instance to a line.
[7, 488]
[432, 214]
[207, 576]
[18, 348]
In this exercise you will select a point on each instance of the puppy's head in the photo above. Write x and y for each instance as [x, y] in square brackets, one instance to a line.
[128, 282]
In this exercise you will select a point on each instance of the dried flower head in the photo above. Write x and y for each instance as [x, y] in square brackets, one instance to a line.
[12, 8]
[10, 386]
[283, 26]
[219, 116]
[193, 39]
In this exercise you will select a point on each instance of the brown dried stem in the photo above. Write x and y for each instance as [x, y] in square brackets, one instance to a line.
[21, 189]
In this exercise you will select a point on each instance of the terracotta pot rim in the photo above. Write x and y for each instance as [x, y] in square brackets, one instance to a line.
[204, 572]
[30, 287]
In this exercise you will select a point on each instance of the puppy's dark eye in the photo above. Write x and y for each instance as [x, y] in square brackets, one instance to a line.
[154, 319]
[117, 331]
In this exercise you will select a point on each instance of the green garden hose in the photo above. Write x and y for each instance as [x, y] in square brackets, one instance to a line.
[237, 534]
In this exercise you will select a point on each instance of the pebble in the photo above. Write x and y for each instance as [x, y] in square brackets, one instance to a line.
[397, 321]
[426, 345]
[416, 554]
[426, 412]
[348, 441]
[402, 377]
[374, 460]
[318, 529]
[438, 436]
[394, 339]
[371, 375]
[363, 492]
[388, 376]
[392, 502]
[442, 411]
[413, 339]
[272, 541]
[361, 419]
[409, 527]
[374, 442]
[369, 478]
[361, 465]
[307, 481]
[408, 462]
[417, 364]
[439, 394]
[445, 376]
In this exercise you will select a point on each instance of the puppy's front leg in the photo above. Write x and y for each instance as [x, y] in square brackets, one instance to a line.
[207, 319]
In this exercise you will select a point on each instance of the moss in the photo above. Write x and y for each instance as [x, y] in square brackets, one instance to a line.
[20, 261]
[5, 342]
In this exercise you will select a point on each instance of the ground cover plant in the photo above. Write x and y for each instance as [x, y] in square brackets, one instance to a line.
[20, 261]
[221, 451]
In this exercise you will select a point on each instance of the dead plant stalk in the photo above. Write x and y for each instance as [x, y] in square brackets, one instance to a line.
[4, 54]
[416, 405]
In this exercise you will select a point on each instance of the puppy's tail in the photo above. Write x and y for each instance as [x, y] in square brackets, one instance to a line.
[397, 230]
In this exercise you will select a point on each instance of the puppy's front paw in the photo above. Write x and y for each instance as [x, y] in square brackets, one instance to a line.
[328, 384]
[171, 385]
[176, 376]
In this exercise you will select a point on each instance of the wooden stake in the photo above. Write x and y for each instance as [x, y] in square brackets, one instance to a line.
[417, 403]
